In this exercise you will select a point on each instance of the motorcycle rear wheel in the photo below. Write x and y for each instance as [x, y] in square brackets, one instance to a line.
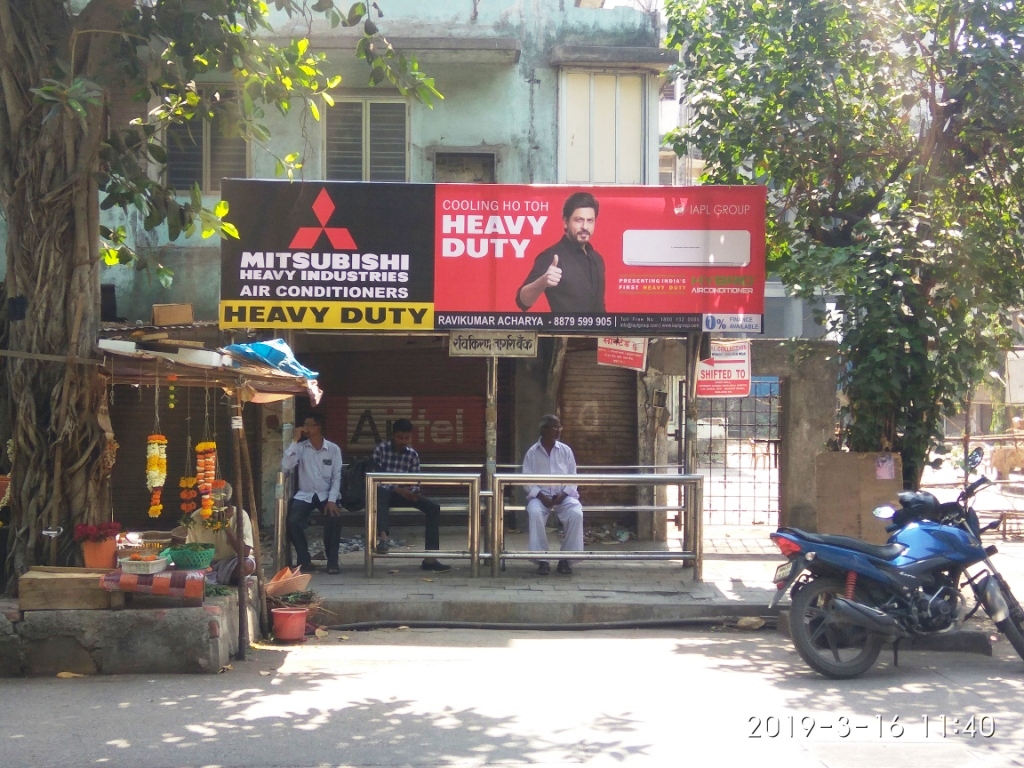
[839, 652]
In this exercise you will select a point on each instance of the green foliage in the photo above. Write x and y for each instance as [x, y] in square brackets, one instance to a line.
[891, 138]
[162, 51]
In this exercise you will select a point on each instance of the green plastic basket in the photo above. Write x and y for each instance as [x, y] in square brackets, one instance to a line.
[190, 559]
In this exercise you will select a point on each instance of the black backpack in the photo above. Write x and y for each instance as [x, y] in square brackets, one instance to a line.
[353, 484]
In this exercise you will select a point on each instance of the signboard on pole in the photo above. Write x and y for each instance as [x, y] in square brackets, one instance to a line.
[727, 372]
[624, 353]
[492, 344]
[455, 257]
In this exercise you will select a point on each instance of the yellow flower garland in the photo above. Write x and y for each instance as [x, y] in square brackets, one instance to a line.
[156, 471]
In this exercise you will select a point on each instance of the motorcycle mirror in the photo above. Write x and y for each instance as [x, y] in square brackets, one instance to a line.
[884, 512]
[975, 457]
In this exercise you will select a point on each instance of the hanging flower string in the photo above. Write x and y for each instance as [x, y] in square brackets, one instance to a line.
[206, 472]
[188, 496]
[156, 471]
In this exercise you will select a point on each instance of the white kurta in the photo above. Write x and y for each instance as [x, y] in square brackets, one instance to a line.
[560, 461]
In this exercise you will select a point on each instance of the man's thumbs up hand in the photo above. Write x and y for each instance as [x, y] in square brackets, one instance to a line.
[553, 276]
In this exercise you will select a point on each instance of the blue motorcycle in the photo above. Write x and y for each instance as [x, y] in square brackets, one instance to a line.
[849, 597]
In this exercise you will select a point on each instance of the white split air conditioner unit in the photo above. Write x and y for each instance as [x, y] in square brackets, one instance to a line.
[686, 247]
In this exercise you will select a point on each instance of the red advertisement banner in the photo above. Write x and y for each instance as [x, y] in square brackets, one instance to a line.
[643, 252]
[418, 257]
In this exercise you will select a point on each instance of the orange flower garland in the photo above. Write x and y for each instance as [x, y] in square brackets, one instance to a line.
[206, 470]
[156, 471]
[188, 495]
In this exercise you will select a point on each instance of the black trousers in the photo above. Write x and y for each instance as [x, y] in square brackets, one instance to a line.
[386, 498]
[298, 521]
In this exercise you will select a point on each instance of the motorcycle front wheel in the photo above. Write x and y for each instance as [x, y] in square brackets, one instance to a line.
[836, 651]
[1012, 626]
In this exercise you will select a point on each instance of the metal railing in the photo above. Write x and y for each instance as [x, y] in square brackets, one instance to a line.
[693, 506]
[694, 487]
[472, 482]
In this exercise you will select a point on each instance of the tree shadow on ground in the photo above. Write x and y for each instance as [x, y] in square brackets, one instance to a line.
[930, 684]
[257, 716]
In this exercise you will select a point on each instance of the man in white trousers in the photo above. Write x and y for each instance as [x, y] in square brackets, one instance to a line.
[549, 456]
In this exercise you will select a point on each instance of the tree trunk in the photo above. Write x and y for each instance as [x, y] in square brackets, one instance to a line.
[50, 200]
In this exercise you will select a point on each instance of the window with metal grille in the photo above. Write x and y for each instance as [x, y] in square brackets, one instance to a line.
[365, 140]
[204, 152]
[603, 127]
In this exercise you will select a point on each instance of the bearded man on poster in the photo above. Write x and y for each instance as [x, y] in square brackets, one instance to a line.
[570, 273]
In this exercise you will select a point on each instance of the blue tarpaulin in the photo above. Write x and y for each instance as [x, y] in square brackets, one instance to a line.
[275, 353]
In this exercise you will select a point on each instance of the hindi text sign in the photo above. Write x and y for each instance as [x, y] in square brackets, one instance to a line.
[491, 344]
[625, 353]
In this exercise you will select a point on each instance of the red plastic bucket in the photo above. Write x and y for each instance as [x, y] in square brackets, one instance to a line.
[289, 623]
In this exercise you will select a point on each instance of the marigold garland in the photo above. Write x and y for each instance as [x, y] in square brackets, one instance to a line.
[206, 471]
[156, 471]
[188, 495]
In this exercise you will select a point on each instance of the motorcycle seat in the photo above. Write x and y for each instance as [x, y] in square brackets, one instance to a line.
[881, 551]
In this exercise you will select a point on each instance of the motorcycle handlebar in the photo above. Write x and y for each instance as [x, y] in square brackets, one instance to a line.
[972, 489]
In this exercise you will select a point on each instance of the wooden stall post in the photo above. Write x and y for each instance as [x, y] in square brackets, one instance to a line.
[250, 488]
[237, 427]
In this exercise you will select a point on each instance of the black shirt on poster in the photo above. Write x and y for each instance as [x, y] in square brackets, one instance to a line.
[581, 289]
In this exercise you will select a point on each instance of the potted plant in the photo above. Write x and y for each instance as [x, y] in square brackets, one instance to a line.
[99, 543]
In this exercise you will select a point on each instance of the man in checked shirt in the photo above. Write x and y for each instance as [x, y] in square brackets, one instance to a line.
[398, 455]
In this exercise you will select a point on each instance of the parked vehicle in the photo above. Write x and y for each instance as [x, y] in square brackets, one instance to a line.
[851, 597]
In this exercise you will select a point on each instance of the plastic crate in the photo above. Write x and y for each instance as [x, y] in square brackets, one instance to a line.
[143, 566]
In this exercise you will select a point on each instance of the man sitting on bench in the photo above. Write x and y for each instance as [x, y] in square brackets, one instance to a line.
[398, 455]
[550, 456]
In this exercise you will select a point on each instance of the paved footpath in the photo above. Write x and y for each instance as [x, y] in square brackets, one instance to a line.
[738, 566]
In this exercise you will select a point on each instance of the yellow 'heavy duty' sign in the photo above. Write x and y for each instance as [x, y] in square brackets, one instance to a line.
[332, 315]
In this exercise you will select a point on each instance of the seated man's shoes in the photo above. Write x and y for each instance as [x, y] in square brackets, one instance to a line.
[435, 565]
[382, 547]
[543, 568]
[307, 568]
[564, 567]
[333, 570]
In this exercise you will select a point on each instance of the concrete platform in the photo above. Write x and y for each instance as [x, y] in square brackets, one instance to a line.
[737, 582]
[168, 639]
[738, 567]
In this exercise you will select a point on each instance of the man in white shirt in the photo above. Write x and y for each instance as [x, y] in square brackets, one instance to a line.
[319, 487]
[549, 456]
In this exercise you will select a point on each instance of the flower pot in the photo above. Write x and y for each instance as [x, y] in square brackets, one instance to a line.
[289, 623]
[100, 554]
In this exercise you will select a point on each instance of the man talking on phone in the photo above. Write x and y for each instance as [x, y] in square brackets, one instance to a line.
[319, 487]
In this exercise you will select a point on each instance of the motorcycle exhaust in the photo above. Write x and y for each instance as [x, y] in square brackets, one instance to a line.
[843, 611]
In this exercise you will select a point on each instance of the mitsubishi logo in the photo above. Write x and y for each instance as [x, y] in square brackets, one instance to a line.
[306, 237]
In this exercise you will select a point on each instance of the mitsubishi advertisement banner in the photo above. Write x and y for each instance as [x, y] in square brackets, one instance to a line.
[551, 259]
